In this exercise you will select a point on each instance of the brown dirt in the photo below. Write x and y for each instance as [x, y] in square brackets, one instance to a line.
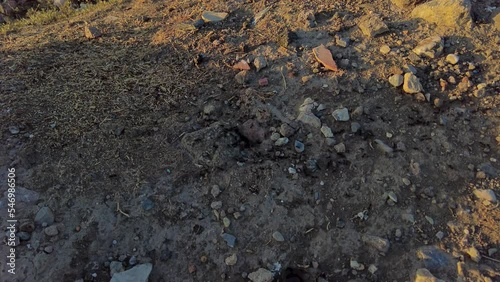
[150, 112]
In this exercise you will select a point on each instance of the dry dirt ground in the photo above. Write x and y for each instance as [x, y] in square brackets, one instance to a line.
[139, 142]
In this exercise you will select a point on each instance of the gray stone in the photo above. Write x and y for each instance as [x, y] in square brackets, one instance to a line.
[260, 63]
[445, 13]
[434, 259]
[281, 141]
[14, 130]
[115, 267]
[431, 47]
[91, 32]
[278, 236]
[44, 215]
[51, 231]
[380, 244]
[355, 126]
[209, 16]
[215, 191]
[396, 80]
[139, 273]
[299, 146]
[231, 260]
[341, 114]
[327, 131]
[252, 131]
[230, 239]
[486, 195]
[309, 119]
[261, 275]
[340, 148]
[384, 148]
[412, 84]
[372, 25]
[48, 249]
[148, 204]
[488, 169]
[216, 205]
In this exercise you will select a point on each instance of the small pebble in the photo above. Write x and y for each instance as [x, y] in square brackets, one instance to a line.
[452, 59]
[278, 236]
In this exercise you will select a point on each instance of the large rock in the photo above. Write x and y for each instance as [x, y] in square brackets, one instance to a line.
[431, 47]
[372, 25]
[424, 275]
[403, 3]
[139, 273]
[496, 20]
[261, 275]
[435, 259]
[448, 13]
[46, 215]
[306, 115]
[412, 84]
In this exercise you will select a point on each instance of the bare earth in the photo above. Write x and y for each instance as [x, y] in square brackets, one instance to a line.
[148, 149]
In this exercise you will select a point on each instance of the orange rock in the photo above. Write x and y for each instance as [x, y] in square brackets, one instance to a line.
[242, 65]
[324, 56]
[443, 84]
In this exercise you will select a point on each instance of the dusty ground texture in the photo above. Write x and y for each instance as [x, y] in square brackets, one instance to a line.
[148, 149]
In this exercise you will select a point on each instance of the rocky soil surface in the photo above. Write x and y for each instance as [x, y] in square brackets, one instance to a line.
[255, 141]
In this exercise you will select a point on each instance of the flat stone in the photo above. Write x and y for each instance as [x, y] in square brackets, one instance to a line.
[299, 146]
[230, 239]
[310, 119]
[486, 195]
[396, 80]
[281, 141]
[355, 126]
[473, 254]
[138, 273]
[209, 16]
[452, 59]
[424, 275]
[44, 215]
[446, 13]
[341, 114]
[412, 84]
[260, 63]
[242, 65]
[324, 56]
[385, 49]
[91, 32]
[327, 131]
[384, 148]
[278, 236]
[261, 275]
[372, 25]
[380, 244]
[216, 205]
[431, 47]
[435, 259]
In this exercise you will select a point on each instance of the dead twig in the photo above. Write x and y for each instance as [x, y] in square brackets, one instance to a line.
[120, 211]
